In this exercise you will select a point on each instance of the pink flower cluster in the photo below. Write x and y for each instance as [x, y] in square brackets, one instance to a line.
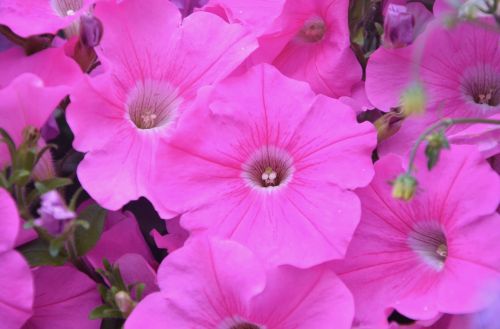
[247, 126]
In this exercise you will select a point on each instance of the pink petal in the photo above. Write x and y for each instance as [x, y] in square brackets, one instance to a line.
[222, 274]
[51, 65]
[64, 299]
[16, 290]
[121, 237]
[135, 269]
[30, 17]
[151, 313]
[318, 299]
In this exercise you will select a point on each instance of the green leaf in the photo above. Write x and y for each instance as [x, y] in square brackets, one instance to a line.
[20, 177]
[139, 290]
[52, 184]
[99, 312]
[105, 311]
[37, 254]
[85, 239]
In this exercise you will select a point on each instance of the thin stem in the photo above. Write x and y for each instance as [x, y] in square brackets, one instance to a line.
[444, 123]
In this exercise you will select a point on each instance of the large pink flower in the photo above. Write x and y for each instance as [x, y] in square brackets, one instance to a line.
[261, 160]
[30, 17]
[220, 284]
[465, 84]
[64, 298]
[310, 41]
[155, 66]
[16, 283]
[437, 253]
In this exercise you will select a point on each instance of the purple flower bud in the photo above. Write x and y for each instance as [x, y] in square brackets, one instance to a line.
[90, 30]
[54, 214]
[186, 7]
[399, 26]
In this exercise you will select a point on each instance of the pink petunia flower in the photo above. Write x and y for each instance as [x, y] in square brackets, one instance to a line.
[155, 66]
[310, 41]
[270, 165]
[16, 282]
[220, 284]
[465, 84]
[434, 254]
[64, 298]
[31, 17]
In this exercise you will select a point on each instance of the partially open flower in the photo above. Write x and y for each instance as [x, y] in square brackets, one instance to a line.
[54, 214]
[399, 26]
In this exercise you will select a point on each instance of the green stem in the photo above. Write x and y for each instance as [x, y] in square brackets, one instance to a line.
[444, 123]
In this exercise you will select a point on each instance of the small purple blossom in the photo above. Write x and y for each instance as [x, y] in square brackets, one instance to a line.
[54, 213]
[399, 26]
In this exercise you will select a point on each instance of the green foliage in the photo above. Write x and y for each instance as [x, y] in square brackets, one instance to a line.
[89, 228]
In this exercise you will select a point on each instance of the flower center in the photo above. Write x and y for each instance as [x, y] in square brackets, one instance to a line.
[482, 85]
[428, 240]
[313, 30]
[245, 325]
[66, 7]
[152, 104]
[268, 167]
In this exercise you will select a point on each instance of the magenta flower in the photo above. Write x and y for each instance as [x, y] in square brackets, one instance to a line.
[16, 282]
[31, 17]
[119, 117]
[271, 166]
[310, 41]
[54, 213]
[64, 298]
[220, 284]
[467, 85]
[437, 253]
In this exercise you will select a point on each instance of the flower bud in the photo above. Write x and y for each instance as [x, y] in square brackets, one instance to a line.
[54, 214]
[124, 302]
[31, 135]
[413, 100]
[91, 30]
[404, 187]
[399, 27]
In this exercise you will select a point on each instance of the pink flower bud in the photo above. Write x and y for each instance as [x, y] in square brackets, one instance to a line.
[90, 30]
[399, 26]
